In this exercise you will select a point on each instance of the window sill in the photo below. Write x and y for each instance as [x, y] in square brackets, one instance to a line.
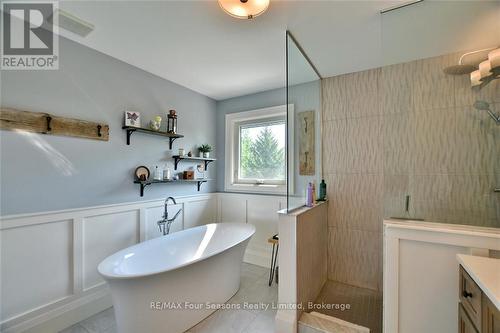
[256, 188]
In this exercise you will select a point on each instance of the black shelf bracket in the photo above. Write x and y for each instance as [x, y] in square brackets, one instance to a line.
[143, 186]
[129, 133]
[177, 159]
[207, 162]
[199, 184]
[171, 141]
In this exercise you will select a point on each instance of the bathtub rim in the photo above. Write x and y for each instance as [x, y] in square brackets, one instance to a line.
[111, 276]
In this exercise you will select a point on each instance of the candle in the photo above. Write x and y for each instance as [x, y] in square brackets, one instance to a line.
[475, 78]
[485, 68]
[494, 58]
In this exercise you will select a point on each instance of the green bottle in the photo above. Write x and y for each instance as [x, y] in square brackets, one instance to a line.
[322, 191]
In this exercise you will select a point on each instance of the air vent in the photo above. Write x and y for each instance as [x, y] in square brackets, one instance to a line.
[74, 24]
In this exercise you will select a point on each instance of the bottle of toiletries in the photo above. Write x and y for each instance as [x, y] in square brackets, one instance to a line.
[309, 195]
[314, 191]
[166, 173]
[158, 174]
[322, 190]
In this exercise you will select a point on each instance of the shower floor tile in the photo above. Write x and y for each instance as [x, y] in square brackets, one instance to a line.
[365, 304]
[253, 288]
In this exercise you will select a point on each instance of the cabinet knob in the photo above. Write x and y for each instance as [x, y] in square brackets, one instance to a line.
[466, 294]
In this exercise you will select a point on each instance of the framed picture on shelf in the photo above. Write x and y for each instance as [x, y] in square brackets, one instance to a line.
[132, 118]
[200, 171]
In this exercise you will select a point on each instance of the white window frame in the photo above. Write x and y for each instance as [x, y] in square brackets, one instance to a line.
[232, 149]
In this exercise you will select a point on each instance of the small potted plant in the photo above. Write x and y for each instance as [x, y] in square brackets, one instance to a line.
[205, 150]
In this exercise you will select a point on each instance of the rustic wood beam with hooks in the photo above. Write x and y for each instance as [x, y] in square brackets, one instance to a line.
[45, 123]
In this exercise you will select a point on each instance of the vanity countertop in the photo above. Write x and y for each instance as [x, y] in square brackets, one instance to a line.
[485, 272]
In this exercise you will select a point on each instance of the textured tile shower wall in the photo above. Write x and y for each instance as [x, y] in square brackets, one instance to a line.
[405, 129]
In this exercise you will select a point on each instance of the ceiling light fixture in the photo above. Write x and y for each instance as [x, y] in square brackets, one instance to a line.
[244, 9]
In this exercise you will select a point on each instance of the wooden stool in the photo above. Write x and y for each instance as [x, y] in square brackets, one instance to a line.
[274, 258]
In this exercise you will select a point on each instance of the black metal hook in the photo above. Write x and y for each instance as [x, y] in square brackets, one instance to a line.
[99, 130]
[48, 118]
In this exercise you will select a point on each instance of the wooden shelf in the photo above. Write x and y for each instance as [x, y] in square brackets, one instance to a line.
[178, 158]
[171, 137]
[145, 183]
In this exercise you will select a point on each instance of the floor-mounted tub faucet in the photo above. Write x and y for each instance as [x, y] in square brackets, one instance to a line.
[165, 222]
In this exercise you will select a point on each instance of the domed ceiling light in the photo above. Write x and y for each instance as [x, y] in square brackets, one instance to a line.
[244, 9]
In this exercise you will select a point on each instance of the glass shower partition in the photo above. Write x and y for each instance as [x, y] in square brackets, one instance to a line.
[440, 144]
[303, 99]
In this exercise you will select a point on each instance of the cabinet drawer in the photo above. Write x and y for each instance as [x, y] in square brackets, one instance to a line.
[470, 297]
[464, 323]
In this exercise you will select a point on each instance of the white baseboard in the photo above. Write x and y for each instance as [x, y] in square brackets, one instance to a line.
[65, 315]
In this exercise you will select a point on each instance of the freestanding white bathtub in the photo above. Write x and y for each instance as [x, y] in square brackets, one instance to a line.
[165, 284]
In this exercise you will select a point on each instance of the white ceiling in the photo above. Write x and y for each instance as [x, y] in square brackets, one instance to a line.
[197, 45]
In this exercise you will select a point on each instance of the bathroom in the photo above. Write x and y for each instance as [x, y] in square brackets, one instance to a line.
[169, 175]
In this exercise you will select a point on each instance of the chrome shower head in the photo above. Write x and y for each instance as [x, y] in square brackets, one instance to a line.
[459, 69]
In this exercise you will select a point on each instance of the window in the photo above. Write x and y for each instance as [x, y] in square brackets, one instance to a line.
[256, 151]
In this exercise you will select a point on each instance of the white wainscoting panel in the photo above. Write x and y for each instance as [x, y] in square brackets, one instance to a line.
[262, 212]
[103, 235]
[49, 277]
[420, 277]
[36, 266]
[199, 212]
[232, 207]
[421, 273]
[49, 260]
[259, 210]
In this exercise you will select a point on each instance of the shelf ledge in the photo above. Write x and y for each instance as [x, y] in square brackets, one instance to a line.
[171, 136]
[144, 183]
[178, 158]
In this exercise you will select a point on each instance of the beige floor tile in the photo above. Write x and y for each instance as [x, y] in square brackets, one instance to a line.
[100, 322]
[75, 329]
[263, 323]
[225, 321]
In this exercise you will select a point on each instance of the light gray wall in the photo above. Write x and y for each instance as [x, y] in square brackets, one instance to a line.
[44, 173]
[304, 97]
[239, 104]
